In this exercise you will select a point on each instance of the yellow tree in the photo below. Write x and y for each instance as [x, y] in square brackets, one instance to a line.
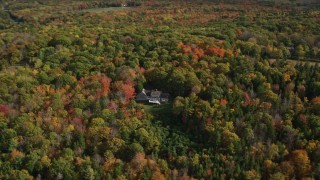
[301, 162]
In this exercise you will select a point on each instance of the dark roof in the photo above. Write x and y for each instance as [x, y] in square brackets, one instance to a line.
[165, 95]
[148, 92]
[141, 96]
[152, 94]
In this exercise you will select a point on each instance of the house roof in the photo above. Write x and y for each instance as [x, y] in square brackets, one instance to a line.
[155, 93]
[151, 94]
[141, 96]
[165, 95]
[148, 92]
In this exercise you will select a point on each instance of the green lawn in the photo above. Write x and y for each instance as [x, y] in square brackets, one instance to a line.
[160, 112]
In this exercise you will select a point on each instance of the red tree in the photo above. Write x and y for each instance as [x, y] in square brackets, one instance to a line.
[128, 90]
[216, 51]
[105, 83]
[4, 109]
[223, 102]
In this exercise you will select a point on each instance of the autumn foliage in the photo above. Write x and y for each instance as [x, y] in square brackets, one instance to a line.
[191, 50]
[301, 162]
[242, 77]
[4, 109]
[105, 85]
[216, 51]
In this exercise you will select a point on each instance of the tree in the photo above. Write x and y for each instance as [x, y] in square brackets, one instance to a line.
[252, 175]
[176, 82]
[132, 150]
[156, 77]
[178, 105]
[105, 85]
[300, 52]
[124, 92]
[128, 90]
[277, 176]
[20, 174]
[62, 169]
[65, 79]
[315, 104]
[301, 162]
[60, 40]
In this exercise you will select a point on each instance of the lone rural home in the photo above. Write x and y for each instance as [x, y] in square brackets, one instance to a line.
[153, 96]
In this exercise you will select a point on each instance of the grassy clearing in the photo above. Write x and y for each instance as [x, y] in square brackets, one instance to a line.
[160, 112]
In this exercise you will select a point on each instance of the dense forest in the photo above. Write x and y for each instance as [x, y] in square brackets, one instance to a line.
[243, 77]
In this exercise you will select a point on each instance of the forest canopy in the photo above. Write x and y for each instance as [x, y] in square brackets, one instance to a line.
[243, 79]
